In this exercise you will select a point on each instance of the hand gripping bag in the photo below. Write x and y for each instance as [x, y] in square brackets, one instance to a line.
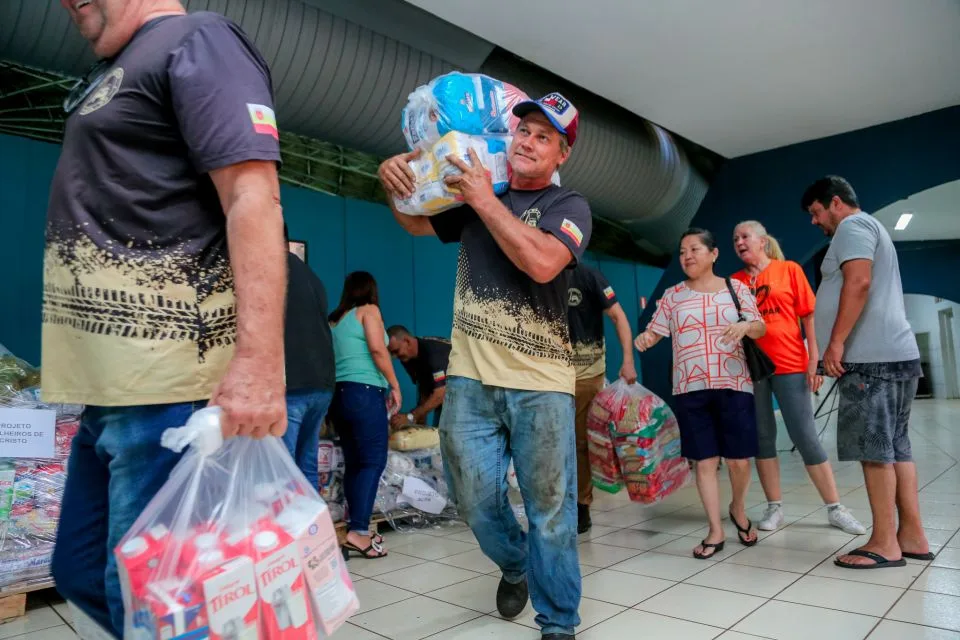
[236, 544]
[432, 195]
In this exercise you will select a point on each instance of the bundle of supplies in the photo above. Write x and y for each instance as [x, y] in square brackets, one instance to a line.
[448, 116]
[470, 103]
[415, 437]
[413, 492]
[634, 440]
[35, 439]
[236, 544]
[432, 194]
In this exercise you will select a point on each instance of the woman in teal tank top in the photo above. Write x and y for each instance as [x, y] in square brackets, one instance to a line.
[367, 390]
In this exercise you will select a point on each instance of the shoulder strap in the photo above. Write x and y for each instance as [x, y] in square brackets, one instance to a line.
[736, 299]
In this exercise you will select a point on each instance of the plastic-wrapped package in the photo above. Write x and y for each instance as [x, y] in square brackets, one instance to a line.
[31, 489]
[412, 438]
[413, 492]
[470, 103]
[236, 544]
[473, 104]
[432, 195]
[634, 441]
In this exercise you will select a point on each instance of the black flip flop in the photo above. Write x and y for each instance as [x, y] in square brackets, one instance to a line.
[927, 557]
[717, 548]
[742, 532]
[879, 560]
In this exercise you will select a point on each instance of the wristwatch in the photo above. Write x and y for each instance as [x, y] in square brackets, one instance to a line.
[410, 418]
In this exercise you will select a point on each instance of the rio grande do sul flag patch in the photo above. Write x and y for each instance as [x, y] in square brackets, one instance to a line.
[609, 293]
[264, 120]
[570, 228]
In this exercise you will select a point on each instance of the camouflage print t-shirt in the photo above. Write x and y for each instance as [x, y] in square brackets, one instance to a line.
[138, 291]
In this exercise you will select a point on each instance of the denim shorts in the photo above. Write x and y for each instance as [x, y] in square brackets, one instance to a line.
[717, 422]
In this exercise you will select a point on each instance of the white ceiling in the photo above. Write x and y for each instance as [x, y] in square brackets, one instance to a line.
[738, 76]
[936, 214]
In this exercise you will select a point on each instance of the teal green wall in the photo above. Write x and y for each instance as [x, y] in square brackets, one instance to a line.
[416, 275]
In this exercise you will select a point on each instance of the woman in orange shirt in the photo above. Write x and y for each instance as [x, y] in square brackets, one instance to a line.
[786, 302]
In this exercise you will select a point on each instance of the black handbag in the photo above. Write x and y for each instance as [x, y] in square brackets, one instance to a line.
[759, 363]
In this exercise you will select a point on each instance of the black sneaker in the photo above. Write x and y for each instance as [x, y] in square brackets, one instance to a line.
[558, 636]
[512, 598]
[583, 518]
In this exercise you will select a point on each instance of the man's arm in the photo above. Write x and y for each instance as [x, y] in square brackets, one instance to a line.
[857, 275]
[253, 390]
[624, 334]
[428, 404]
[538, 254]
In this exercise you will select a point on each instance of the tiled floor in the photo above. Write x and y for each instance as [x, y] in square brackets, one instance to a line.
[640, 581]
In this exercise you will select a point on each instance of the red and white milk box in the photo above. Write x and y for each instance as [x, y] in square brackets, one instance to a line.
[330, 589]
[139, 558]
[230, 592]
[282, 589]
[200, 544]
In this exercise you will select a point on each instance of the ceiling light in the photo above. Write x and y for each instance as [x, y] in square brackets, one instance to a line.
[904, 220]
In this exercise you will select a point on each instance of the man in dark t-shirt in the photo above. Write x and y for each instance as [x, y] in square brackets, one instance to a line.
[425, 360]
[510, 382]
[590, 298]
[169, 154]
[310, 366]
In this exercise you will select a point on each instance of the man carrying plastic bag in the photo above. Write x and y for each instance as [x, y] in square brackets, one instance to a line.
[169, 155]
[510, 382]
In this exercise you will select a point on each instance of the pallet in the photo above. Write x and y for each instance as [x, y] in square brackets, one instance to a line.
[13, 599]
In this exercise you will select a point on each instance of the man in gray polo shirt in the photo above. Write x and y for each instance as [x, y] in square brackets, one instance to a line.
[870, 348]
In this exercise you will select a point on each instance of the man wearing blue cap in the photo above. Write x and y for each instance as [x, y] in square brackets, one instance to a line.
[510, 381]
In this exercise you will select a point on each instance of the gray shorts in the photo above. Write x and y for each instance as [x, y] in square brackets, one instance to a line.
[874, 413]
[796, 407]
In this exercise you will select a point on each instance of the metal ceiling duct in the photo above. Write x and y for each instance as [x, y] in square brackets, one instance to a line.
[343, 82]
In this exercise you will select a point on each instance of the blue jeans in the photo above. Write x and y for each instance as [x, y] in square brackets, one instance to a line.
[481, 429]
[359, 414]
[116, 466]
[305, 412]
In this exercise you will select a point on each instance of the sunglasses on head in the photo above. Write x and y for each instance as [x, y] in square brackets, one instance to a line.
[85, 86]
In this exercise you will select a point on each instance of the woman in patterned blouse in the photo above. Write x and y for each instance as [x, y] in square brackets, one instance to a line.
[712, 389]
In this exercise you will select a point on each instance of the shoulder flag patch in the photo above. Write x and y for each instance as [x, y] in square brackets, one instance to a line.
[572, 230]
[264, 120]
[609, 293]
[439, 376]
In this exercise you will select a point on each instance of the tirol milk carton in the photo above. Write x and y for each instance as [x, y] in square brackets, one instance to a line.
[230, 592]
[286, 613]
[139, 558]
[331, 590]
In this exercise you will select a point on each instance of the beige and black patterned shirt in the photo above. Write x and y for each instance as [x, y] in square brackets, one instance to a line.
[508, 330]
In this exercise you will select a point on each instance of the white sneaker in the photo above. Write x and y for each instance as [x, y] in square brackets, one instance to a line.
[841, 518]
[772, 518]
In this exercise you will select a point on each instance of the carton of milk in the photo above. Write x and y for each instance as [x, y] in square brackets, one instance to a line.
[331, 591]
[230, 592]
[282, 589]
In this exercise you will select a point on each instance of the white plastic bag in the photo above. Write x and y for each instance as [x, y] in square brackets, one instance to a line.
[236, 544]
